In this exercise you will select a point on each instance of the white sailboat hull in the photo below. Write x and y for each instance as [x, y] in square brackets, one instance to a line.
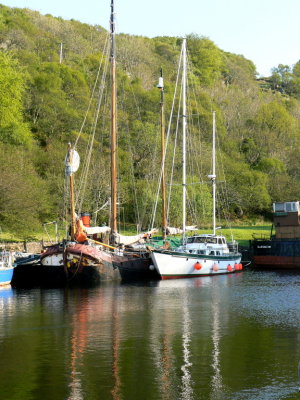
[172, 265]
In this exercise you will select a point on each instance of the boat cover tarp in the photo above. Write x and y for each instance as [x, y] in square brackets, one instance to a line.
[175, 231]
[127, 240]
[173, 242]
[92, 230]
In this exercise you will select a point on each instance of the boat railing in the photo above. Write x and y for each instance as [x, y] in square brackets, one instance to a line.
[233, 247]
[5, 259]
[261, 236]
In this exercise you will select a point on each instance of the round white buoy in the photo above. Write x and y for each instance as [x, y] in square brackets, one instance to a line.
[151, 267]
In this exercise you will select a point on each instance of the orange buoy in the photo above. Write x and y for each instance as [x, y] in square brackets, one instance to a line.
[238, 267]
[197, 266]
[215, 268]
[229, 268]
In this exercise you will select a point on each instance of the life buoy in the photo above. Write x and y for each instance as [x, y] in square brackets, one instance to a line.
[229, 268]
[197, 266]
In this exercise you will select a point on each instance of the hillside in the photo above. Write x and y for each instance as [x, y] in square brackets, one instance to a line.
[43, 104]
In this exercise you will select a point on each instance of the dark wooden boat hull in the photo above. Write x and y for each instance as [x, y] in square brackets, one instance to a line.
[82, 264]
[136, 269]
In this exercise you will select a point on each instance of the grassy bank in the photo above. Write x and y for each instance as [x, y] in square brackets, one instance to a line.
[240, 233]
[36, 236]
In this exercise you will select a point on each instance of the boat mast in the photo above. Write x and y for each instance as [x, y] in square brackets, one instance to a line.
[113, 216]
[72, 196]
[163, 182]
[184, 141]
[213, 177]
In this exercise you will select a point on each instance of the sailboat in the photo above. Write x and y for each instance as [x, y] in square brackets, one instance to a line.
[199, 255]
[82, 257]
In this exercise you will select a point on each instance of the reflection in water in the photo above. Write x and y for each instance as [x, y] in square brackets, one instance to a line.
[78, 345]
[187, 391]
[116, 327]
[75, 385]
[161, 349]
[194, 339]
[216, 377]
[6, 292]
[186, 283]
[166, 364]
[6, 295]
[299, 374]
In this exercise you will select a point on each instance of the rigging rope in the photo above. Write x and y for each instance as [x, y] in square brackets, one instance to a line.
[86, 166]
[167, 140]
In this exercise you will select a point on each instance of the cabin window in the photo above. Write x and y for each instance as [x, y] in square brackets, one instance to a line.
[201, 252]
[212, 253]
[211, 240]
[219, 241]
[217, 253]
[200, 240]
[190, 240]
[291, 206]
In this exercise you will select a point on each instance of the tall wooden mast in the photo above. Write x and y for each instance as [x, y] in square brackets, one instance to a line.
[163, 182]
[113, 217]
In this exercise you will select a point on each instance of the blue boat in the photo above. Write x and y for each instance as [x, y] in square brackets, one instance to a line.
[6, 268]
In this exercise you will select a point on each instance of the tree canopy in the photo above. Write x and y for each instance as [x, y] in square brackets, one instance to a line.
[44, 102]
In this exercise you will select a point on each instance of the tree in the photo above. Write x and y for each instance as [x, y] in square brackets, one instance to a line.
[247, 189]
[238, 70]
[281, 79]
[206, 58]
[58, 96]
[272, 128]
[13, 129]
[24, 196]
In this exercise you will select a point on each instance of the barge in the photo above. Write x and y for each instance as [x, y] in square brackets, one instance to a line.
[282, 248]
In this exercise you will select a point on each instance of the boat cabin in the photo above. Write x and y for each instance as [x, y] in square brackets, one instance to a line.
[286, 207]
[208, 244]
[286, 219]
[207, 239]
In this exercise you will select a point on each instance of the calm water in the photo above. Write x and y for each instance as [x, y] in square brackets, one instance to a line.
[224, 337]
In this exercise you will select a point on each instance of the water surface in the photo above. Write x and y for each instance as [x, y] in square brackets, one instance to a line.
[232, 337]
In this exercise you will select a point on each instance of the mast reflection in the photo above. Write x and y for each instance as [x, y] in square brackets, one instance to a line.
[186, 386]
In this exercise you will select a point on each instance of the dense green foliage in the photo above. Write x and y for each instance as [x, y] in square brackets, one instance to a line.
[43, 104]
